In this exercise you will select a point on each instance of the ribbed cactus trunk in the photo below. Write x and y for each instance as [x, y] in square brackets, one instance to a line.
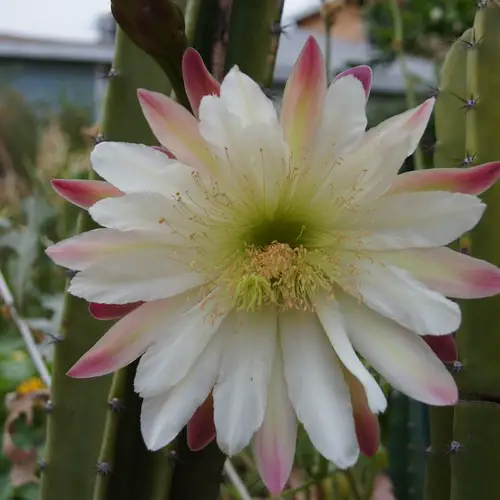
[94, 446]
[450, 152]
[468, 132]
[406, 440]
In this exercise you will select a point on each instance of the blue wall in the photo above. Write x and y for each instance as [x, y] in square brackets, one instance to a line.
[49, 83]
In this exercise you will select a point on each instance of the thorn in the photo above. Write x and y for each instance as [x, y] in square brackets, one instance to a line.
[428, 450]
[107, 75]
[115, 405]
[99, 138]
[454, 447]
[473, 43]
[54, 338]
[277, 29]
[268, 92]
[468, 160]
[457, 366]
[173, 456]
[434, 91]
[470, 103]
[42, 465]
[430, 148]
[70, 273]
[482, 4]
[103, 468]
[48, 407]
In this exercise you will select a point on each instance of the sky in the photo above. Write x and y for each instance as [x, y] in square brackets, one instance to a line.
[70, 19]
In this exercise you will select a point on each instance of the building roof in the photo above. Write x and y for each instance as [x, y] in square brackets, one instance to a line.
[55, 50]
[387, 77]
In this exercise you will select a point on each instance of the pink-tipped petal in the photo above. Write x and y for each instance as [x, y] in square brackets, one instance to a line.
[474, 180]
[450, 273]
[197, 79]
[274, 443]
[112, 311]
[129, 338]
[303, 99]
[365, 422]
[176, 129]
[444, 347]
[400, 356]
[84, 193]
[362, 73]
[201, 427]
[86, 249]
[412, 122]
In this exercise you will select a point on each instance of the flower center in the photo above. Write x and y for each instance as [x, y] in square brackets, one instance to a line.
[291, 233]
[275, 274]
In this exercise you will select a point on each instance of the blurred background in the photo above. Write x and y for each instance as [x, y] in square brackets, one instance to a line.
[55, 58]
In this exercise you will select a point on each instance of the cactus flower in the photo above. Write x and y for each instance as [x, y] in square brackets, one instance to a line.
[267, 260]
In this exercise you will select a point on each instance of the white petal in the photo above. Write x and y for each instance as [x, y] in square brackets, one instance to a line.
[134, 167]
[252, 159]
[344, 120]
[143, 273]
[167, 362]
[448, 272]
[412, 122]
[127, 339]
[243, 97]
[395, 293]
[400, 356]
[144, 211]
[274, 442]
[316, 387]
[163, 416]
[240, 394]
[331, 318]
[86, 249]
[421, 219]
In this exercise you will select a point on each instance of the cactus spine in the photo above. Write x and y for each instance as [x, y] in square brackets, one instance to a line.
[467, 128]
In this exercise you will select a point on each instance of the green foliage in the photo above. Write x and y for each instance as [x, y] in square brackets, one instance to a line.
[429, 26]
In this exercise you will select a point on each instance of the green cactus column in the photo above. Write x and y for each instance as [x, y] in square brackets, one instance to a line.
[80, 407]
[462, 464]
[450, 152]
[474, 463]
